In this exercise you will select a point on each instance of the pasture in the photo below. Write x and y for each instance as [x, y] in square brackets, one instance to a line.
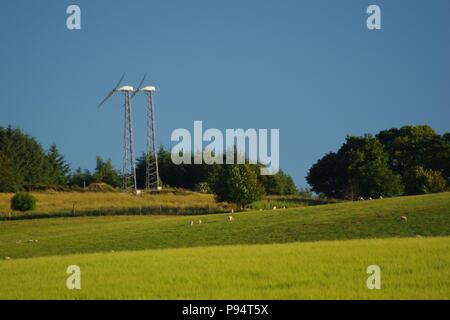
[307, 252]
[428, 215]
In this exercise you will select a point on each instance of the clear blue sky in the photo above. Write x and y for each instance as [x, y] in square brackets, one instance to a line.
[310, 68]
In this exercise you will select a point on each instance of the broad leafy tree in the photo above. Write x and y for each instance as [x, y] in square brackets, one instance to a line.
[238, 184]
[359, 169]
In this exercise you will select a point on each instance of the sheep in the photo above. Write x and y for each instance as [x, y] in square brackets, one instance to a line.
[381, 198]
[232, 210]
[192, 223]
[230, 218]
[404, 218]
[138, 192]
[360, 199]
[274, 208]
[7, 258]
[199, 221]
[370, 198]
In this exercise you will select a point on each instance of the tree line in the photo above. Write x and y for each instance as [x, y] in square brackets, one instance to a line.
[407, 161]
[25, 165]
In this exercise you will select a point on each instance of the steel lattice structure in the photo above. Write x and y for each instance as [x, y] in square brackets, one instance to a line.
[152, 170]
[129, 182]
[129, 162]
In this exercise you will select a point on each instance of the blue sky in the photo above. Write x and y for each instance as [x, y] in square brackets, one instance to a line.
[310, 68]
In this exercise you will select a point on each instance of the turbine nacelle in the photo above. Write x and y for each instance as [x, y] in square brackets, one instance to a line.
[126, 89]
[148, 89]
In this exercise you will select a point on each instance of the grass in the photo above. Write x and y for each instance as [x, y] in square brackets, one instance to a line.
[291, 201]
[104, 203]
[411, 268]
[427, 215]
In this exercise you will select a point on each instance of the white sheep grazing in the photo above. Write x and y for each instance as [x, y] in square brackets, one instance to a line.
[404, 218]
[7, 258]
[370, 198]
[192, 223]
[199, 221]
[230, 218]
[274, 208]
[360, 199]
[381, 197]
[138, 192]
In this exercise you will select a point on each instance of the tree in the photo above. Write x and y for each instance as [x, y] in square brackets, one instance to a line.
[412, 146]
[80, 178]
[58, 167]
[10, 181]
[278, 184]
[358, 169]
[420, 181]
[27, 156]
[238, 183]
[327, 176]
[367, 168]
[105, 172]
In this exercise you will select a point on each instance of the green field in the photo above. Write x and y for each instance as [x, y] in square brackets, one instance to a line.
[411, 269]
[272, 254]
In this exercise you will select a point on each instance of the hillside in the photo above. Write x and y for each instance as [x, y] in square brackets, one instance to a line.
[427, 215]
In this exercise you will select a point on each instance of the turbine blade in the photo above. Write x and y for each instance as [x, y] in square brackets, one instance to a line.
[106, 98]
[112, 91]
[120, 81]
[138, 87]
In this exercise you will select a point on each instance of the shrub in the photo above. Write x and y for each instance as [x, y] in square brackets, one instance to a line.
[100, 187]
[203, 187]
[23, 201]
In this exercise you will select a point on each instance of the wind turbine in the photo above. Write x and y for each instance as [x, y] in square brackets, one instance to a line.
[152, 171]
[129, 162]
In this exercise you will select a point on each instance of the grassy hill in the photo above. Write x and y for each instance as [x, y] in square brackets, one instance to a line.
[427, 215]
[412, 268]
